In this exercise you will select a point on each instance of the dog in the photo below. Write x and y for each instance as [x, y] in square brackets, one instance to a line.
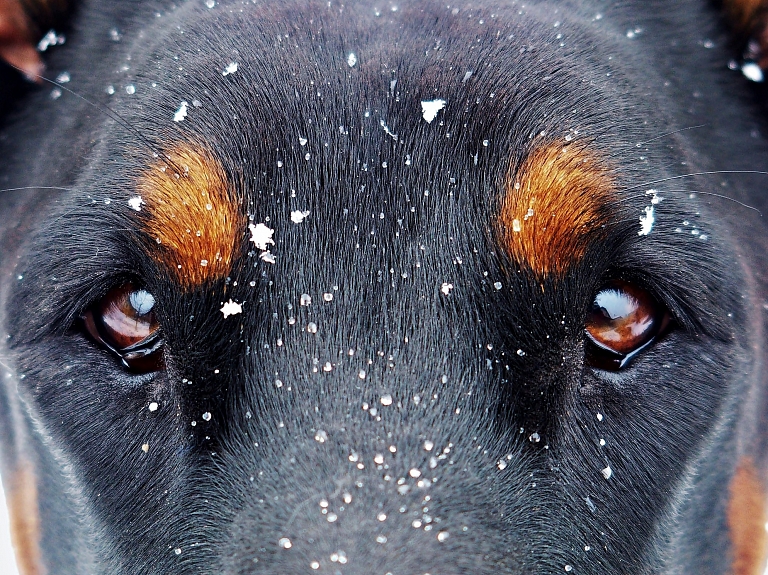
[383, 287]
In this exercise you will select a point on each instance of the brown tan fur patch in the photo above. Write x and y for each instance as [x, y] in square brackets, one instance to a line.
[25, 521]
[191, 214]
[554, 206]
[746, 520]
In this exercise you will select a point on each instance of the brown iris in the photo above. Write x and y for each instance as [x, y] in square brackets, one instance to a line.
[124, 322]
[623, 319]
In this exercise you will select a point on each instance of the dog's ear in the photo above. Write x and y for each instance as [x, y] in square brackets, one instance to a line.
[749, 21]
[21, 26]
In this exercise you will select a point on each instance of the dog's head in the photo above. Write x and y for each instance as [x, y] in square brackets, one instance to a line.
[410, 289]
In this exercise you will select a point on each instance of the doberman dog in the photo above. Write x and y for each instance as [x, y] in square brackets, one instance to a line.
[384, 287]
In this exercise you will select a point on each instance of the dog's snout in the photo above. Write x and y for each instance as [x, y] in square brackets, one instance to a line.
[338, 506]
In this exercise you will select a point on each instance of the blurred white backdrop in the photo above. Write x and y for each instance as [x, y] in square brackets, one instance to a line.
[7, 561]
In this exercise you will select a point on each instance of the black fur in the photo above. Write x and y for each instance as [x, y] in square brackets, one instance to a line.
[391, 219]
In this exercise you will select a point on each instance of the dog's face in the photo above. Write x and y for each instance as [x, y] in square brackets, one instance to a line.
[402, 289]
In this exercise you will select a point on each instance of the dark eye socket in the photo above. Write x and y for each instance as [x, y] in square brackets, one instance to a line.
[124, 322]
[623, 320]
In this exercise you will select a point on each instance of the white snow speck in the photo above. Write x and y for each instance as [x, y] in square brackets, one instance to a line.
[351, 60]
[656, 199]
[446, 288]
[230, 69]
[181, 113]
[607, 472]
[285, 543]
[267, 256]
[297, 216]
[261, 235]
[752, 71]
[646, 221]
[136, 202]
[153, 406]
[387, 131]
[50, 39]
[321, 436]
[648, 218]
[231, 308]
[430, 108]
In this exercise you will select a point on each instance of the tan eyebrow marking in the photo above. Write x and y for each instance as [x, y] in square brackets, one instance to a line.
[747, 519]
[192, 215]
[554, 206]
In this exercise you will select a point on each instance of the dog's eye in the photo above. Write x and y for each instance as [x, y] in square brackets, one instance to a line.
[623, 320]
[124, 322]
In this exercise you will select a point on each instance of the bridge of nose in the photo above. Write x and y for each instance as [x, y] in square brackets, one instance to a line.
[370, 493]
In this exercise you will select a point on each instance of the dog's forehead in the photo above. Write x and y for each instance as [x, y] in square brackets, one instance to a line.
[380, 118]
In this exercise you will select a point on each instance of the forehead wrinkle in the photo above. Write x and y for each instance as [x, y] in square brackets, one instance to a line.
[555, 204]
[192, 216]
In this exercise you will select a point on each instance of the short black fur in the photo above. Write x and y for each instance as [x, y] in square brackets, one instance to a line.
[494, 378]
